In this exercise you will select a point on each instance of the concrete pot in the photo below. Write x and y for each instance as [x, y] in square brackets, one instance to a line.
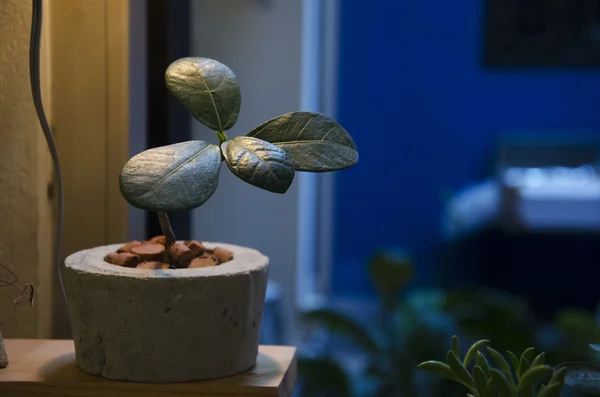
[165, 325]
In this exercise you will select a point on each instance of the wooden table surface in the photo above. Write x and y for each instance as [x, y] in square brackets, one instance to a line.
[40, 367]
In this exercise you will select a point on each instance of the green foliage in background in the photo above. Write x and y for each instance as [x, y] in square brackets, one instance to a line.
[394, 343]
[411, 327]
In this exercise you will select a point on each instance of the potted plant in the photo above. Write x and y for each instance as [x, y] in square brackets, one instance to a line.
[172, 311]
[9, 279]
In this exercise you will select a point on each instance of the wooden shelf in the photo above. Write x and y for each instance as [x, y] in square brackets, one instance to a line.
[47, 367]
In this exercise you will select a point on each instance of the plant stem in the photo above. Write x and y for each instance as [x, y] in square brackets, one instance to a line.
[222, 136]
[165, 225]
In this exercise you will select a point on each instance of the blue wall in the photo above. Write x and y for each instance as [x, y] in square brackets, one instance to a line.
[425, 114]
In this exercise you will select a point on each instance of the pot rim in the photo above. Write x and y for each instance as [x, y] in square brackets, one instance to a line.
[245, 260]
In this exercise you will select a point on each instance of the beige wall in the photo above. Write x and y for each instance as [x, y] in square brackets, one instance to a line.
[25, 174]
[85, 56]
[261, 42]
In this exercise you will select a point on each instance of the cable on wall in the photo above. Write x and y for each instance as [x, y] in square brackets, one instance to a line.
[36, 92]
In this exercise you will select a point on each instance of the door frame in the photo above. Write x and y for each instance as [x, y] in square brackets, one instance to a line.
[316, 205]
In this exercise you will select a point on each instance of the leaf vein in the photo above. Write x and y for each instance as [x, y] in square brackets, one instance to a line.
[221, 82]
[163, 179]
[212, 99]
[261, 160]
[303, 128]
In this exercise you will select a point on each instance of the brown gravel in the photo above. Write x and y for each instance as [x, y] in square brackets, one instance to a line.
[151, 255]
[127, 247]
[223, 254]
[205, 260]
[182, 254]
[153, 265]
[196, 247]
[150, 251]
[123, 259]
[159, 240]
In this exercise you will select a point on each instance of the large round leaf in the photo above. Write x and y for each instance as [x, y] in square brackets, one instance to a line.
[313, 141]
[174, 177]
[208, 90]
[259, 163]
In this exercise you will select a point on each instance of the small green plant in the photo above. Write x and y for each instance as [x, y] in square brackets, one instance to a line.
[184, 175]
[522, 377]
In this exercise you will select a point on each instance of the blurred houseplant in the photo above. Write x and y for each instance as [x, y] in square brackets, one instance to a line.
[509, 321]
[409, 328]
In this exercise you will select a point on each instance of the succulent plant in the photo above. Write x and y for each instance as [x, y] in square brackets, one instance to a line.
[516, 377]
[184, 175]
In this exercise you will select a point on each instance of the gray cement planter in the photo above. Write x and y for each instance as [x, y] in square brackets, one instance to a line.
[165, 325]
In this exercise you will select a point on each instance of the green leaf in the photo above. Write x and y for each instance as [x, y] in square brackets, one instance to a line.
[473, 351]
[523, 366]
[501, 382]
[551, 391]
[483, 363]
[528, 391]
[534, 375]
[390, 270]
[489, 388]
[259, 163]
[455, 346]
[514, 361]
[174, 177]
[458, 369]
[207, 89]
[439, 368]
[313, 141]
[529, 353]
[480, 379]
[583, 377]
[539, 360]
[558, 376]
[499, 360]
[343, 325]
[324, 375]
